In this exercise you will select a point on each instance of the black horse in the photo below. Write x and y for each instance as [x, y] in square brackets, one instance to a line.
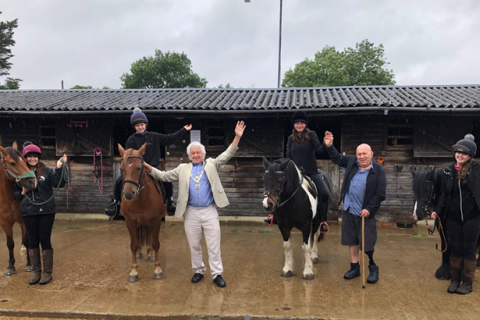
[427, 185]
[292, 198]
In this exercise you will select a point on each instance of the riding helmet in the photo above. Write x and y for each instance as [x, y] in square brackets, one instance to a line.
[138, 117]
[466, 145]
[29, 149]
[300, 116]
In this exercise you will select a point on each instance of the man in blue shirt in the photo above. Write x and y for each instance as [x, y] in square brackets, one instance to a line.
[200, 191]
[363, 189]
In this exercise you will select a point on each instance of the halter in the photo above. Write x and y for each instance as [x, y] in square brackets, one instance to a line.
[139, 183]
[266, 194]
[8, 171]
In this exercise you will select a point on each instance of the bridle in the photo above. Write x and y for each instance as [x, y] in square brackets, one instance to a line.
[139, 183]
[279, 191]
[8, 171]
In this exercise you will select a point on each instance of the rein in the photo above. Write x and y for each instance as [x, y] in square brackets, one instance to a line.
[64, 177]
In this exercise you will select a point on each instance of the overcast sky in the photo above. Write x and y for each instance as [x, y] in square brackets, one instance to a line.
[93, 42]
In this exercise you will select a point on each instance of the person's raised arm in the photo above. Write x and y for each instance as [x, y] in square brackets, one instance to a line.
[238, 133]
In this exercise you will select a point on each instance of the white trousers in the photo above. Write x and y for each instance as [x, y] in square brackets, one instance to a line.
[204, 219]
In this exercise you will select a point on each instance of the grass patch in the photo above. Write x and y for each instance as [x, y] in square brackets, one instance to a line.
[235, 231]
[74, 228]
[172, 225]
[264, 231]
[248, 231]
[423, 235]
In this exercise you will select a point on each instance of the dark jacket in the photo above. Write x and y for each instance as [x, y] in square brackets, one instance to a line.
[448, 183]
[376, 180]
[304, 153]
[154, 142]
[47, 182]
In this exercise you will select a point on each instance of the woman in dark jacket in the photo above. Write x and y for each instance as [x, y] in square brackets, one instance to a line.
[302, 147]
[459, 204]
[39, 218]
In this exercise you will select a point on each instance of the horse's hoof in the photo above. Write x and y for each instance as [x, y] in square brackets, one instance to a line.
[10, 272]
[158, 276]
[23, 249]
[139, 255]
[28, 269]
[151, 259]
[133, 278]
[443, 273]
[315, 260]
[308, 276]
[287, 274]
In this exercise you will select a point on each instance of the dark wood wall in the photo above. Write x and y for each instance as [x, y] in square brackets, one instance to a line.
[83, 195]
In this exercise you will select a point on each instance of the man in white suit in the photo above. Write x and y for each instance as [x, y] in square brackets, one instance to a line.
[200, 190]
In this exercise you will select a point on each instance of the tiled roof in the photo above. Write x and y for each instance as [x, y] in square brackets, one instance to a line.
[231, 100]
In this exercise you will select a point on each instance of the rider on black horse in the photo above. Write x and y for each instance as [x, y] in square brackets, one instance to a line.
[152, 156]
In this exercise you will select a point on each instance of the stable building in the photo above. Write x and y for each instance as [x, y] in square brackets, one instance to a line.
[405, 125]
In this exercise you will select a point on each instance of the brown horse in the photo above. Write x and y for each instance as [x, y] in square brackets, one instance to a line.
[142, 205]
[13, 166]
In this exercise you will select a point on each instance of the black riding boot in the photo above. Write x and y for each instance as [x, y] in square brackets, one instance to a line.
[469, 267]
[47, 266]
[456, 268]
[323, 210]
[36, 265]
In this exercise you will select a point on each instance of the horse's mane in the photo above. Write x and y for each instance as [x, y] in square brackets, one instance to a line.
[419, 179]
[291, 173]
[14, 154]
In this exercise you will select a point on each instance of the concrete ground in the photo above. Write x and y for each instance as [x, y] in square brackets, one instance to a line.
[92, 263]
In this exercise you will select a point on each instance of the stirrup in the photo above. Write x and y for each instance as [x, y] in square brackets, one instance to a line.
[320, 227]
[269, 218]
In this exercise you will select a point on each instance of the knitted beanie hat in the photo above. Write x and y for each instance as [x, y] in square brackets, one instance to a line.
[138, 117]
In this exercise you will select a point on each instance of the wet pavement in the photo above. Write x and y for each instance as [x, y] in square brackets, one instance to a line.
[92, 263]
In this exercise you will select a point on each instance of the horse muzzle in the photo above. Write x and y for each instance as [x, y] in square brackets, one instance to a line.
[130, 195]
[29, 184]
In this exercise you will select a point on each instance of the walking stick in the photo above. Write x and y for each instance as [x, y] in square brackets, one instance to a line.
[363, 251]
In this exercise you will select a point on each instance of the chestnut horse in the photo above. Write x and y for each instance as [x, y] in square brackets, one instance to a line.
[13, 166]
[142, 205]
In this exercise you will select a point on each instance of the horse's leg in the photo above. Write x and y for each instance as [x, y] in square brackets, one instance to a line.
[150, 252]
[133, 231]
[477, 250]
[314, 252]
[10, 244]
[25, 244]
[306, 246]
[158, 273]
[315, 234]
[287, 270]
[443, 272]
[139, 249]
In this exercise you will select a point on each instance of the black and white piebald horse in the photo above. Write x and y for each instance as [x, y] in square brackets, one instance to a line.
[292, 198]
[427, 184]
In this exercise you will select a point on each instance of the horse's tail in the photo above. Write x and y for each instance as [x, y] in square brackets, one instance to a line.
[332, 194]
[142, 233]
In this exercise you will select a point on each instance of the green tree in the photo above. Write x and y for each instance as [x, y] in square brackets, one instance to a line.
[227, 86]
[164, 70]
[362, 66]
[88, 87]
[6, 43]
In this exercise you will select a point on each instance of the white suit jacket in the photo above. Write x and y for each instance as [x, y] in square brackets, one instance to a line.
[182, 175]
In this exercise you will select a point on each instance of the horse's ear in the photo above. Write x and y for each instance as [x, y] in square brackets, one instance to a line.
[414, 171]
[4, 151]
[284, 165]
[141, 151]
[121, 150]
[265, 163]
[14, 145]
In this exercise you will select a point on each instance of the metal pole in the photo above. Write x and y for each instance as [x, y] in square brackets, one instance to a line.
[280, 46]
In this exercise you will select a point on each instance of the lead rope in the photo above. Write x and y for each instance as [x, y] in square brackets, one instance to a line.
[98, 153]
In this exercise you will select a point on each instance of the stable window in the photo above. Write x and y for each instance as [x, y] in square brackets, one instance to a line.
[47, 138]
[400, 132]
[215, 135]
